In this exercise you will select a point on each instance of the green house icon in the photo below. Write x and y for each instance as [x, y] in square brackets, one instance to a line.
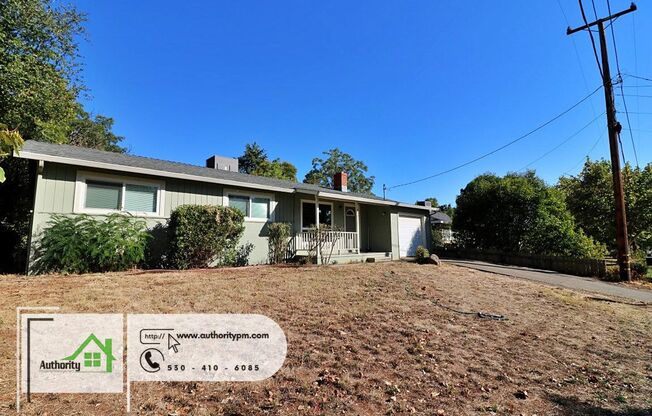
[93, 359]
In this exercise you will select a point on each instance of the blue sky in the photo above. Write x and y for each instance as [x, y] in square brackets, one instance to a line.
[409, 87]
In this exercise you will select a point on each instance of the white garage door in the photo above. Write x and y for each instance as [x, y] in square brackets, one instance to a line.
[410, 235]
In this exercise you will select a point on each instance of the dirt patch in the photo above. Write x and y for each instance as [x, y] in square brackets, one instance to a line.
[368, 339]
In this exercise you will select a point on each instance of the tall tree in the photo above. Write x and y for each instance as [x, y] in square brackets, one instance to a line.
[252, 158]
[254, 161]
[589, 196]
[39, 89]
[519, 213]
[323, 171]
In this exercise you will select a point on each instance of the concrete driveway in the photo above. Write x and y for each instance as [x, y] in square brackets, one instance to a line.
[584, 284]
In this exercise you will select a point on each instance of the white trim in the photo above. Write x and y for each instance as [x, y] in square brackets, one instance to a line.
[145, 171]
[310, 201]
[80, 194]
[272, 202]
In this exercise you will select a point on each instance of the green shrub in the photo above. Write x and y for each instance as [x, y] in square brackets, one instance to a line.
[236, 257]
[639, 269]
[422, 255]
[279, 237]
[202, 235]
[613, 274]
[82, 244]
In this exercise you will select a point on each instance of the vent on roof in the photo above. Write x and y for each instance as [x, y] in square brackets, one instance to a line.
[222, 163]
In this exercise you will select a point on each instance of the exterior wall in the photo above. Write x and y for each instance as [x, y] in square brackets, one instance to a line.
[378, 228]
[55, 194]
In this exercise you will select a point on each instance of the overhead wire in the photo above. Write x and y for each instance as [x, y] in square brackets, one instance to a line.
[620, 79]
[589, 152]
[529, 133]
[566, 140]
[595, 50]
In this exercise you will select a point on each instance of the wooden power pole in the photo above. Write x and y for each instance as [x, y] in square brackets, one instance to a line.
[614, 137]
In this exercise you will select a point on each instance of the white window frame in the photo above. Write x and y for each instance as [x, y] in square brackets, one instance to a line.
[312, 201]
[251, 196]
[81, 187]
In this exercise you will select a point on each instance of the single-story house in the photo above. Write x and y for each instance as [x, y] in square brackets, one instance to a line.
[75, 180]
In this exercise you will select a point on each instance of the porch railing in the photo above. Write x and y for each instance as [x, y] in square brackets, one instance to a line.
[342, 242]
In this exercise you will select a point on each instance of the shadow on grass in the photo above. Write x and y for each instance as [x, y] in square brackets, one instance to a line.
[573, 406]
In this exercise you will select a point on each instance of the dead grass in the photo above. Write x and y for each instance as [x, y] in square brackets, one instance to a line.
[366, 339]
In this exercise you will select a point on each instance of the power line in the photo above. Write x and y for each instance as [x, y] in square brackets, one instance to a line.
[577, 56]
[501, 147]
[589, 152]
[639, 77]
[569, 138]
[620, 78]
[595, 51]
[635, 95]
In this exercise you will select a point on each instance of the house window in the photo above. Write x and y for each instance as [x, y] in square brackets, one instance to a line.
[308, 215]
[140, 198]
[253, 207]
[241, 203]
[92, 359]
[105, 194]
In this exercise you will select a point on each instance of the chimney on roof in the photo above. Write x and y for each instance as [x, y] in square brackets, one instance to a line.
[340, 181]
[222, 163]
[425, 203]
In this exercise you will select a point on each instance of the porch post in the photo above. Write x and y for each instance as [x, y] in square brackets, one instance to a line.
[357, 225]
[317, 236]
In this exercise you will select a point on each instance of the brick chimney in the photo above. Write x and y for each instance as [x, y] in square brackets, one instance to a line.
[340, 181]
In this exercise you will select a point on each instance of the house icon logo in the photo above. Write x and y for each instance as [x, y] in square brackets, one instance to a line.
[95, 354]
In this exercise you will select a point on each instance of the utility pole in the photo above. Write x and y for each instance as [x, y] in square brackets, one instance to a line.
[614, 133]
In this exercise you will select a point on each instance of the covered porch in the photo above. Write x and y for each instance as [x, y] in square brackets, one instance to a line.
[347, 231]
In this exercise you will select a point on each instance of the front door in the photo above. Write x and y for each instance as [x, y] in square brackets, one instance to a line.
[350, 223]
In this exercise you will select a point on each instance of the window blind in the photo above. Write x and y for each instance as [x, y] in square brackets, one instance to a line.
[103, 195]
[140, 198]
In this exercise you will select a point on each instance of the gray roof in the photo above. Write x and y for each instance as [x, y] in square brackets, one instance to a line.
[440, 218]
[81, 156]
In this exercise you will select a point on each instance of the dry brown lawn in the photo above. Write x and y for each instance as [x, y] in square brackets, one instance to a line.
[366, 339]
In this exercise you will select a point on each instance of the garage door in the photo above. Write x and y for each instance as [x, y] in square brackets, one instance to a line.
[410, 235]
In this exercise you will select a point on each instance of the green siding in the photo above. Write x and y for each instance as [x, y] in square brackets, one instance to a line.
[55, 194]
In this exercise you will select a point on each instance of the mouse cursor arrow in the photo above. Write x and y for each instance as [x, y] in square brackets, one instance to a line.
[173, 343]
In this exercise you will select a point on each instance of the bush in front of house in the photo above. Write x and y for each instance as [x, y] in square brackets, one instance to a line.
[422, 254]
[279, 237]
[203, 235]
[83, 244]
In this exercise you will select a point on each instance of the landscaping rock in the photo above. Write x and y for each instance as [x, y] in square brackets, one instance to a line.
[433, 259]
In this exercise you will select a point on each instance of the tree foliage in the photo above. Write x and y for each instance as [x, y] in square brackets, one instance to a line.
[323, 171]
[40, 86]
[589, 196]
[519, 213]
[254, 161]
[10, 140]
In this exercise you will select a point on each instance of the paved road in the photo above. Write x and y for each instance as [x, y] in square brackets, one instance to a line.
[585, 284]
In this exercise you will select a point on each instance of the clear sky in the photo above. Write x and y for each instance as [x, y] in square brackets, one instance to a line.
[409, 87]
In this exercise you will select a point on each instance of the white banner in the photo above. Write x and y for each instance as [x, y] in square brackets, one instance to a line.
[203, 347]
[72, 353]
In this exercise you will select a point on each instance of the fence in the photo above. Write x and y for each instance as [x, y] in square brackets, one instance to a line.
[568, 265]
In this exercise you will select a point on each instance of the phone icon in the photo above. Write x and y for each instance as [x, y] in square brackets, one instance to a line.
[150, 360]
